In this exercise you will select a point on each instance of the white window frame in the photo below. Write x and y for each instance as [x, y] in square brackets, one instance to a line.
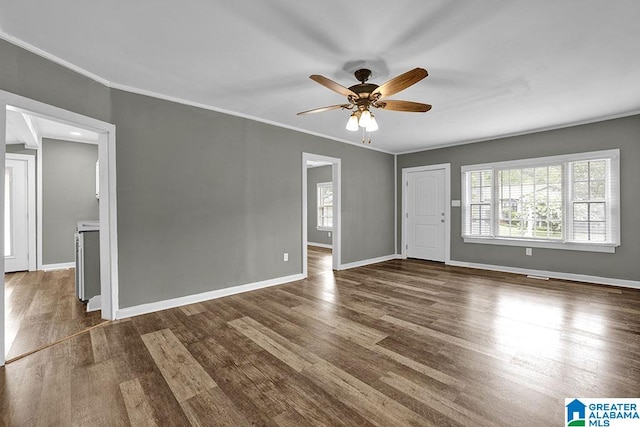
[319, 221]
[613, 208]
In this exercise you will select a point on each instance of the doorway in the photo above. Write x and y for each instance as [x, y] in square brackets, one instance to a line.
[426, 212]
[335, 164]
[107, 180]
[19, 213]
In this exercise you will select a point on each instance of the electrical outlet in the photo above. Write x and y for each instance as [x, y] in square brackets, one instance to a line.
[286, 256]
[528, 252]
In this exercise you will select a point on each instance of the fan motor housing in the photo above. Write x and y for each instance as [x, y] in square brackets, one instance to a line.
[364, 89]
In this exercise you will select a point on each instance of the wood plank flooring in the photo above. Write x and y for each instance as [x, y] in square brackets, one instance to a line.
[41, 308]
[398, 343]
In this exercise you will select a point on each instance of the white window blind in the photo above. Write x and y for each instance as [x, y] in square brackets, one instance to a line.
[564, 202]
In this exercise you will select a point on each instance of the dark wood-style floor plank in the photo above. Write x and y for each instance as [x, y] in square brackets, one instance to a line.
[41, 308]
[403, 342]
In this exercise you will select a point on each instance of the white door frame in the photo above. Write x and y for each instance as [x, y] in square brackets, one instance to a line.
[337, 205]
[107, 209]
[447, 206]
[31, 203]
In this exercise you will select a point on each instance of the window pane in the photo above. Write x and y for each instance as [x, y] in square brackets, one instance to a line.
[597, 169]
[581, 171]
[596, 190]
[530, 198]
[486, 178]
[476, 195]
[581, 230]
[597, 212]
[581, 191]
[580, 211]
[597, 231]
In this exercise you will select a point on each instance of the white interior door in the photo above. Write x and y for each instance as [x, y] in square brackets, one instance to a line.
[16, 221]
[426, 214]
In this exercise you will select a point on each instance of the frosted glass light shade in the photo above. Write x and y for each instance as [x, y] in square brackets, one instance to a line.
[365, 119]
[373, 125]
[352, 124]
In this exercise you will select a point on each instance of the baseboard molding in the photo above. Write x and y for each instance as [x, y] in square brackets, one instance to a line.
[59, 266]
[368, 262]
[551, 274]
[94, 304]
[320, 245]
[205, 296]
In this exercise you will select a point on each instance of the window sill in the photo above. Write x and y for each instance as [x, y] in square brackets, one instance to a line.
[569, 246]
[324, 228]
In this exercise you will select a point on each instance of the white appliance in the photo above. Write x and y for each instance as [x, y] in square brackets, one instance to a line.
[87, 259]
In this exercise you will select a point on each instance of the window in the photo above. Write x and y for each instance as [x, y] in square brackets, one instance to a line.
[325, 206]
[562, 202]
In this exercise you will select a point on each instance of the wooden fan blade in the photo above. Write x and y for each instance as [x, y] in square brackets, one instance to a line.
[401, 82]
[320, 110]
[330, 84]
[408, 106]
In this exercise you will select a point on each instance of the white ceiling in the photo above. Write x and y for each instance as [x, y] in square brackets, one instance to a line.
[496, 68]
[23, 128]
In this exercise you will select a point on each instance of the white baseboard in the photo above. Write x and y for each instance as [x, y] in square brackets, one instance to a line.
[368, 261]
[320, 245]
[551, 274]
[59, 266]
[94, 304]
[205, 296]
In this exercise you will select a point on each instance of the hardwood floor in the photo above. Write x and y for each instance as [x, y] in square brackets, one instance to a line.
[402, 342]
[41, 308]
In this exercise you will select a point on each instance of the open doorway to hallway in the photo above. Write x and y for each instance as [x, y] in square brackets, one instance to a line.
[103, 173]
[44, 301]
[321, 206]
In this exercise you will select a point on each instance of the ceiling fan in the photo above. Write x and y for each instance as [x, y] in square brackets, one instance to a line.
[363, 96]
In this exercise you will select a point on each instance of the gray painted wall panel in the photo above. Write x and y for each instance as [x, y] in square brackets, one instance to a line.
[315, 176]
[207, 200]
[68, 195]
[621, 133]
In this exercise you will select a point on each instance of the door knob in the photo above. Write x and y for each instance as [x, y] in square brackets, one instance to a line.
[442, 220]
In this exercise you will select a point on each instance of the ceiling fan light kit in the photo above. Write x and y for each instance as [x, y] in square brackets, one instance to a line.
[363, 96]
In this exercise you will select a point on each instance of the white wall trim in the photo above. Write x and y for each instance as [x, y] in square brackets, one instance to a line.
[447, 206]
[3, 153]
[94, 304]
[369, 261]
[39, 206]
[58, 266]
[320, 245]
[395, 203]
[336, 236]
[551, 274]
[205, 296]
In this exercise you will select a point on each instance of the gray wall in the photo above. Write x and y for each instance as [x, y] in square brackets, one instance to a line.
[314, 176]
[207, 200]
[68, 195]
[620, 133]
